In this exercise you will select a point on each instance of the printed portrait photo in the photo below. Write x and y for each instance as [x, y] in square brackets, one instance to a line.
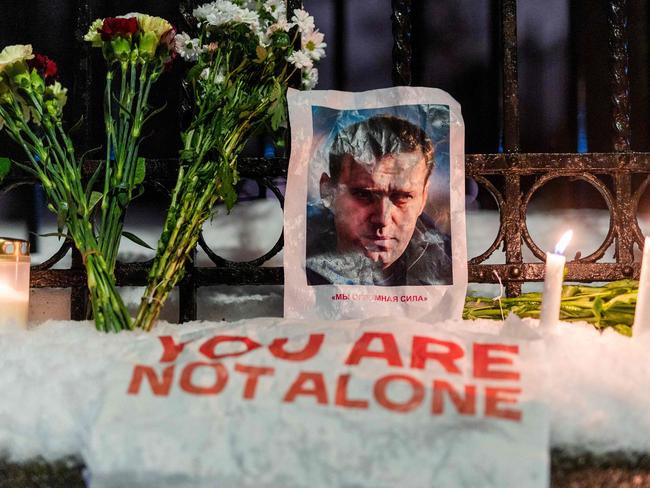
[378, 201]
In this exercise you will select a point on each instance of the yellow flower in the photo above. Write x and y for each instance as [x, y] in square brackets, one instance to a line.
[157, 25]
[15, 54]
[93, 36]
[55, 91]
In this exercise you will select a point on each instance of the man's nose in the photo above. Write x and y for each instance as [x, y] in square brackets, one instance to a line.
[381, 210]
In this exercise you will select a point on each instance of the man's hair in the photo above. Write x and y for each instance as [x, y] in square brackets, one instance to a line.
[378, 136]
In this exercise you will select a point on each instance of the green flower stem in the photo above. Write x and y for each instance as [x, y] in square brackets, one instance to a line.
[192, 201]
[180, 236]
[60, 176]
[122, 140]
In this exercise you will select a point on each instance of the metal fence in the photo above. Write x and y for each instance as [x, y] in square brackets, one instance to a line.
[502, 174]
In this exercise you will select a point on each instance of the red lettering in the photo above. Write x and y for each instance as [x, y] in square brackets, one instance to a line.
[299, 387]
[159, 387]
[464, 406]
[484, 361]
[495, 396]
[253, 373]
[220, 379]
[420, 353]
[342, 399]
[309, 351]
[171, 350]
[382, 398]
[209, 347]
[389, 350]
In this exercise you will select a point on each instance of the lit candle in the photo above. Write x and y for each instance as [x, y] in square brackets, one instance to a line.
[642, 311]
[14, 282]
[553, 278]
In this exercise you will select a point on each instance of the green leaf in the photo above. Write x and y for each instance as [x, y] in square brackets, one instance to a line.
[261, 53]
[140, 171]
[5, 167]
[623, 329]
[95, 197]
[137, 240]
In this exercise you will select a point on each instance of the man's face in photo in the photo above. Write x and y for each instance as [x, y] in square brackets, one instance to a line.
[376, 204]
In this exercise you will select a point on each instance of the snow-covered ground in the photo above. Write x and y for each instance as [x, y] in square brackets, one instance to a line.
[52, 378]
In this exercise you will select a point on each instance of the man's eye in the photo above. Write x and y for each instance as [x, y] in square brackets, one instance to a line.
[360, 194]
[401, 198]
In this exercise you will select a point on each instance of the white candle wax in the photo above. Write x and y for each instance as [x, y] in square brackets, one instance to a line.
[14, 293]
[642, 310]
[551, 298]
[553, 278]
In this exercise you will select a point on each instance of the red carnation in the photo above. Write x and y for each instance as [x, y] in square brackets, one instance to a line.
[45, 67]
[114, 27]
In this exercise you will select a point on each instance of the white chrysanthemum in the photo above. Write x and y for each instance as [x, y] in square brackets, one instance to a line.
[312, 44]
[300, 60]
[187, 47]
[309, 78]
[222, 11]
[276, 8]
[303, 20]
[280, 25]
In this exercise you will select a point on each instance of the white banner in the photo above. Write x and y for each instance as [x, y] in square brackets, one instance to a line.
[281, 403]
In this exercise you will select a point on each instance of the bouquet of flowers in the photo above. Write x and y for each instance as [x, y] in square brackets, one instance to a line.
[610, 305]
[242, 59]
[137, 48]
[31, 106]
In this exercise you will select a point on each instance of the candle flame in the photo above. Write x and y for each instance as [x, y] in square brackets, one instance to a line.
[562, 244]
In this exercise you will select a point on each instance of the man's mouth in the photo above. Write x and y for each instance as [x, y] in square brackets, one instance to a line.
[378, 244]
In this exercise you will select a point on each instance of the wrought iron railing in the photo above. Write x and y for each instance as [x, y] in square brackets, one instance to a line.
[611, 174]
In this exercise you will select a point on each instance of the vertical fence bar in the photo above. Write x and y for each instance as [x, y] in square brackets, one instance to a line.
[619, 77]
[620, 103]
[82, 85]
[512, 216]
[509, 75]
[340, 58]
[402, 53]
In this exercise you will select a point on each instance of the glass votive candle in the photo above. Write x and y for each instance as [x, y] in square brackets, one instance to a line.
[14, 282]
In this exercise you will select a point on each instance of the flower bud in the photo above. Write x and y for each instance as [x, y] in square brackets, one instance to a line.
[121, 48]
[148, 45]
[38, 84]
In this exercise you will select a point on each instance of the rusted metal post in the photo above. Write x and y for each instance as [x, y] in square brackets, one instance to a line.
[620, 103]
[81, 94]
[511, 215]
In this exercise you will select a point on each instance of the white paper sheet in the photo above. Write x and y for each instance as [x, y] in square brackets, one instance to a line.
[374, 220]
